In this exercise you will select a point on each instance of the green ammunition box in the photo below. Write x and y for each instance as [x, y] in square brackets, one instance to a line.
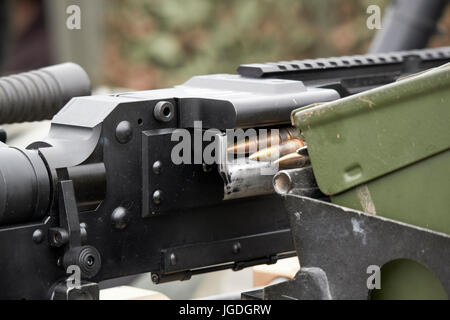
[387, 152]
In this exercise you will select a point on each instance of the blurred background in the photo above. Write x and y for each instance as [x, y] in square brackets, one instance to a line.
[148, 44]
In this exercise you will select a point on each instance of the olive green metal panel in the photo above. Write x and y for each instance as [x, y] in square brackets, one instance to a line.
[408, 280]
[362, 137]
[418, 194]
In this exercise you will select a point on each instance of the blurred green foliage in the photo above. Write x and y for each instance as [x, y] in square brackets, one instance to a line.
[158, 43]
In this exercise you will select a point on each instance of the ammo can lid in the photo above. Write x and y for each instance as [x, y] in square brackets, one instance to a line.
[359, 138]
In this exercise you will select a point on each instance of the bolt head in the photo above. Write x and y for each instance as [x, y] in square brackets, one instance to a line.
[124, 132]
[157, 166]
[157, 196]
[38, 236]
[120, 218]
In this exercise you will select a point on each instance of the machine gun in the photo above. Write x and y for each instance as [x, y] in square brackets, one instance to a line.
[102, 193]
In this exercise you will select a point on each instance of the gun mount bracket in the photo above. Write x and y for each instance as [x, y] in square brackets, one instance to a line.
[361, 240]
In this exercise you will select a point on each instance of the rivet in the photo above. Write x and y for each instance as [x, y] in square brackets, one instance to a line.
[120, 218]
[38, 236]
[124, 132]
[157, 166]
[157, 196]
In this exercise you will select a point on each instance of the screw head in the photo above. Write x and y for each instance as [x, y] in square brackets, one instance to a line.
[157, 196]
[164, 111]
[120, 218]
[38, 236]
[124, 132]
[157, 166]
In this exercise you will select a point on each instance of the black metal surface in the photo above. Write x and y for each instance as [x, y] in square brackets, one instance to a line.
[3, 135]
[89, 182]
[242, 248]
[177, 186]
[343, 242]
[308, 284]
[28, 268]
[228, 101]
[69, 234]
[408, 24]
[297, 181]
[252, 295]
[196, 225]
[350, 74]
[24, 186]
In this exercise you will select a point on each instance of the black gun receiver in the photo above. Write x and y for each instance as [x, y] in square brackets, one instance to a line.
[103, 193]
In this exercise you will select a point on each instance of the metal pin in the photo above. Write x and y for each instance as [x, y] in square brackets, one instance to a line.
[277, 151]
